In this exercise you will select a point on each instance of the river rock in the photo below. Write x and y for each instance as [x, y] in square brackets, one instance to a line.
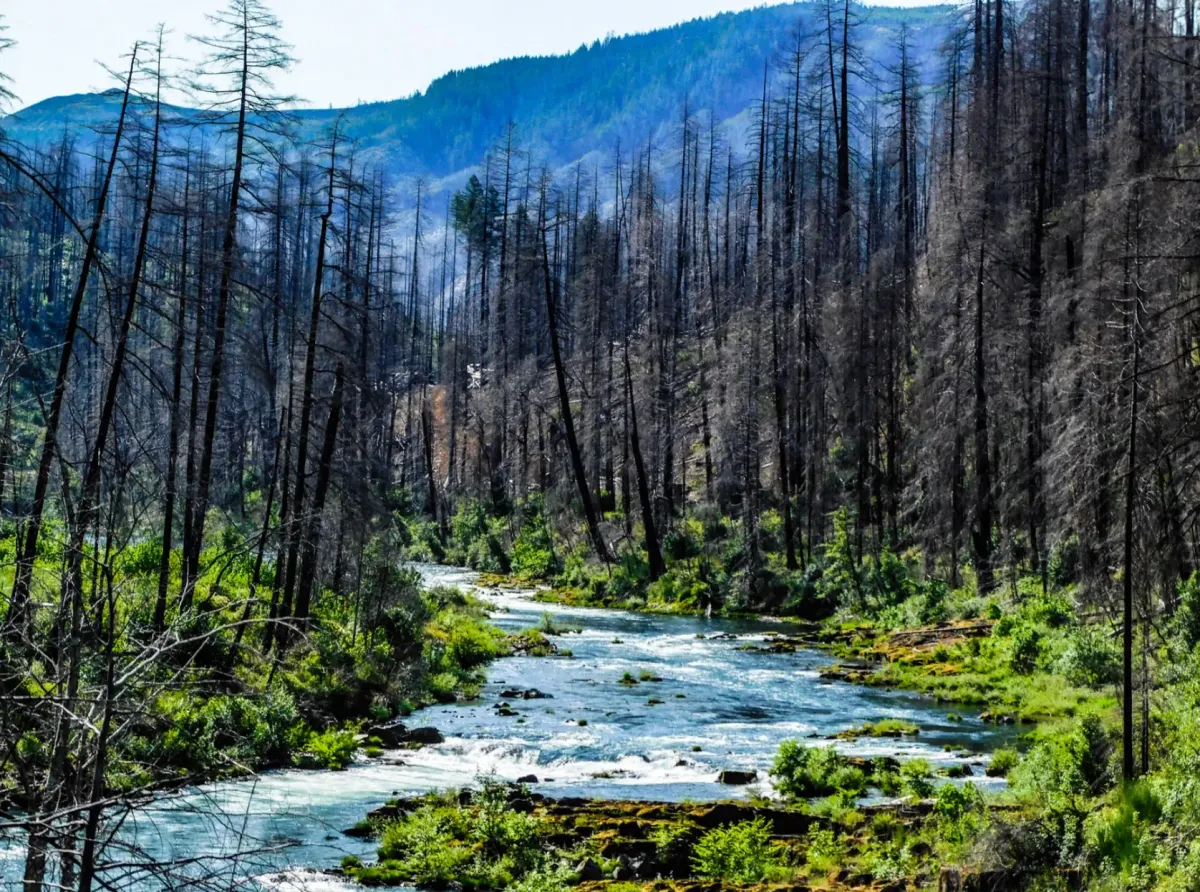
[528, 779]
[520, 694]
[395, 734]
[423, 736]
[645, 868]
[737, 778]
[392, 734]
[589, 871]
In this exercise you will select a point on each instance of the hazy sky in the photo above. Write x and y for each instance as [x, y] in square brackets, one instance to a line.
[347, 50]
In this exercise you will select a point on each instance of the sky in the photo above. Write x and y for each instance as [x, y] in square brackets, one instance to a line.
[347, 51]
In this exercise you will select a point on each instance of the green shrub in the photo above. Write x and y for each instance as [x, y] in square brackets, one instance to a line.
[1186, 621]
[1090, 659]
[684, 540]
[959, 812]
[803, 772]
[478, 538]
[227, 733]
[740, 853]
[1026, 647]
[333, 749]
[673, 843]
[426, 850]
[1003, 761]
[1120, 839]
[533, 555]
[503, 833]
[916, 778]
[1063, 568]
[825, 849]
[1052, 608]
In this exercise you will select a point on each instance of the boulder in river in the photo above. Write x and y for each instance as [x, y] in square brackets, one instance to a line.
[520, 694]
[528, 779]
[736, 778]
[392, 734]
[423, 736]
[395, 734]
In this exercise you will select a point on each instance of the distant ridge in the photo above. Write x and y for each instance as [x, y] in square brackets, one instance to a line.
[615, 90]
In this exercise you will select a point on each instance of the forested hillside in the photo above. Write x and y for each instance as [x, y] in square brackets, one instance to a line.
[616, 90]
[913, 340]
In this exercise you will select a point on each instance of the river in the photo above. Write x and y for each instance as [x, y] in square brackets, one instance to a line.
[718, 706]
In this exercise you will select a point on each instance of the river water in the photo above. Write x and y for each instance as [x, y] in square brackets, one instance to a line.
[721, 706]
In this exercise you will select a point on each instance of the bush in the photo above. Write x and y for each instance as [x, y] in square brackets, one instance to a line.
[1090, 659]
[916, 778]
[333, 749]
[533, 555]
[684, 540]
[960, 812]
[1026, 647]
[485, 845]
[425, 847]
[803, 772]
[1003, 761]
[226, 732]
[478, 539]
[825, 849]
[1187, 612]
[1063, 568]
[503, 834]
[1121, 839]
[673, 843]
[740, 853]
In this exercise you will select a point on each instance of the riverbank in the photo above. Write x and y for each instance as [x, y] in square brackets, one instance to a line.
[505, 836]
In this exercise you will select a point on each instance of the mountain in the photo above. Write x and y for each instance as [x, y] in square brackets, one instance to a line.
[617, 90]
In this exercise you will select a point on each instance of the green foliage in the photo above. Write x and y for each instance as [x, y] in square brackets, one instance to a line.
[803, 772]
[916, 778]
[1186, 622]
[1121, 839]
[225, 734]
[1026, 647]
[1063, 567]
[1004, 760]
[825, 849]
[141, 558]
[1061, 774]
[960, 812]
[533, 555]
[685, 540]
[673, 843]
[424, 846]
[478, 539]
[1090, 658]
[484, 845]
[742, 853]
[333, 748]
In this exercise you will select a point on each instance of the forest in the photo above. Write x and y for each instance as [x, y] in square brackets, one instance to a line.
[906, 363]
